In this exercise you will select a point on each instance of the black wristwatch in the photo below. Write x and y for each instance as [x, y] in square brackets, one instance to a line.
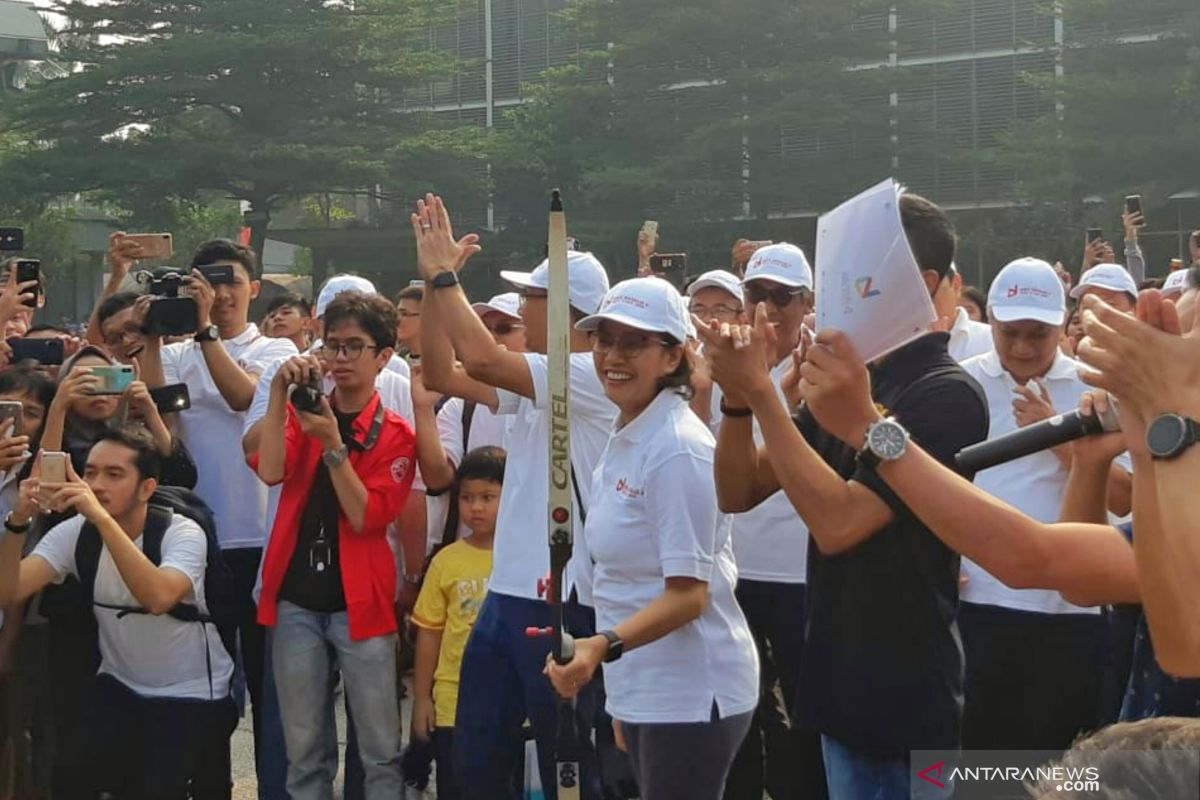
[616, 647]
[887, 440]
[1170, 435]
[444, 280]
[210, 334]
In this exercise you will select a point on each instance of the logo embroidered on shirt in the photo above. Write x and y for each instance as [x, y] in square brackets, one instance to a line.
[624, 488]
[400, 469]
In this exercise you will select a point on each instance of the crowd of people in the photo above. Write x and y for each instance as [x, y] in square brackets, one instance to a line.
[782, 582]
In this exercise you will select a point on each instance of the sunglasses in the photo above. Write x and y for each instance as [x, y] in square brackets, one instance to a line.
[780, 296]
[628, 346]
[505, 328]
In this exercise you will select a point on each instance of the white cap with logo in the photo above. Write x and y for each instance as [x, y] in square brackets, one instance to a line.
[338, 284]
[508, 304]
[1176, 283]
[588, 279]
[1106, 276]
[1028, 289]
[784, 264]
[648, 304]
[717, 279]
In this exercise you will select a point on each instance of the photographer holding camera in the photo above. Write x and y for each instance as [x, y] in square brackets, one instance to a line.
[221, 367]
[346, 464]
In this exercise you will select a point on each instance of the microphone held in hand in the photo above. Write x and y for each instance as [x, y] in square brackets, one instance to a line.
[1035, 438]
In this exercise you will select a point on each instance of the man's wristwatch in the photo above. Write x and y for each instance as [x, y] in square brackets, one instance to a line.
[886, 441]
[444, 280]
[210, 334]
[616, 647]
[335, 458]
[14, 528]
[1169, 435]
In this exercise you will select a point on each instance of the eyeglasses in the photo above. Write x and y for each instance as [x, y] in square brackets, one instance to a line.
[630, 345]
[352, 350]
[505, 328]
[719, 311]
[780, 296]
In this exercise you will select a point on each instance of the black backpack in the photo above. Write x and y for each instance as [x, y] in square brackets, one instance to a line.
[219, 591]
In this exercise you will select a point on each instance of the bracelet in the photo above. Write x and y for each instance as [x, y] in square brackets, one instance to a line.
[12, 528]
[735, 412]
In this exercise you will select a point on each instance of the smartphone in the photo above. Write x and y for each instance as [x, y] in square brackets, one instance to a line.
[1133, 205]
[12, 412]
[30, 269]
[1094, 235]
[668, 264]
[217, 274]
[171, 399]
[158, 246]
[12, 240]
[47, 352]
[113, 380]
[54, 467]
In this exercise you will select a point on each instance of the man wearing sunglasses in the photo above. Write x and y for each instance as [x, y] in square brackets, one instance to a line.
[770, 542]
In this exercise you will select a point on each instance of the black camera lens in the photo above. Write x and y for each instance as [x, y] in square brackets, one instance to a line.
[307, 397]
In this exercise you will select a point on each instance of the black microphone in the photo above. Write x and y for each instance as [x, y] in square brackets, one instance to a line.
[1036, 437]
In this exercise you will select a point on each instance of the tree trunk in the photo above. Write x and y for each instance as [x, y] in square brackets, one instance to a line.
[258, 219]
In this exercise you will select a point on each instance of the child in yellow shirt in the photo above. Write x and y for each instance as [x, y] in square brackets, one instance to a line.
[455, 585]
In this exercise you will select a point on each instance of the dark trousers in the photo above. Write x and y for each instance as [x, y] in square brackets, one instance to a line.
[443, 756]
[243, 563]
[143, 748]
[776, 756]
[674, 761]
[1032, 680]
[501, 686]
[73, 660]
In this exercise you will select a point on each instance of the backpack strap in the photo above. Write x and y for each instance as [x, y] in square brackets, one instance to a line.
[468, 414]
[87, 558]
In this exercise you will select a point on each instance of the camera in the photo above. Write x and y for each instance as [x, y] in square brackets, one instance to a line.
[169, 314]
[307, 396]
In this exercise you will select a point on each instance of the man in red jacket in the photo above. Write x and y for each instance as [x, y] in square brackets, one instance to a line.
[329, 578]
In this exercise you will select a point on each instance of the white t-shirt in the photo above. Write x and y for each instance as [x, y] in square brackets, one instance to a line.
[969, 338]
[212, 432]
[487, 430]
[1035, 485]
[521, 554]
[654, 516]
[770, 540]
[155, 656]
[399, 366]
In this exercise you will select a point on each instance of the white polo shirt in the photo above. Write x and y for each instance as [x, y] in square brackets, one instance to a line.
[969, 338]
[212, 432]
[1035, 485]
[155, 656]
[770, 540]
[654, 516]
[487, 430]
[521, 555]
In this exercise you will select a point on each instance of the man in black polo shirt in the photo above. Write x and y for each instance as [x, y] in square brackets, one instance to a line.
[883, 668]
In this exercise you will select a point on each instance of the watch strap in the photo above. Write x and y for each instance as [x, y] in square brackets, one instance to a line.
[444, 280]
[11, 528]
[209, 334]
[616, 647]
[1191, 436]
[335, 458]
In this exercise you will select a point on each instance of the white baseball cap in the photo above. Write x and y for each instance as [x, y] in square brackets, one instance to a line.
[648, 304]
[338, 284]
[588, 280]
[721, 279]
[1176, 283]
[782, 263]
[1106, 276]
[1028, 289]
[508, 304]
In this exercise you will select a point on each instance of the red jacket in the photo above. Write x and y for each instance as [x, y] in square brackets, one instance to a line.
[368, 566]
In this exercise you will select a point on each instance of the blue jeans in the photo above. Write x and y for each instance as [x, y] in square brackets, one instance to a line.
[304, 646]
[853, 776]
[501, 686]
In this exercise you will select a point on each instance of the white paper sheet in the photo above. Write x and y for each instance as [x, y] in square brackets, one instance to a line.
[868, 283]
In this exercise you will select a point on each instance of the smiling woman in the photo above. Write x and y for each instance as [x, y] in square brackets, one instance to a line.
[662, 570]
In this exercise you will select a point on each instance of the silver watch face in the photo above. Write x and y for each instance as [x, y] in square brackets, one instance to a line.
[888, 440]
